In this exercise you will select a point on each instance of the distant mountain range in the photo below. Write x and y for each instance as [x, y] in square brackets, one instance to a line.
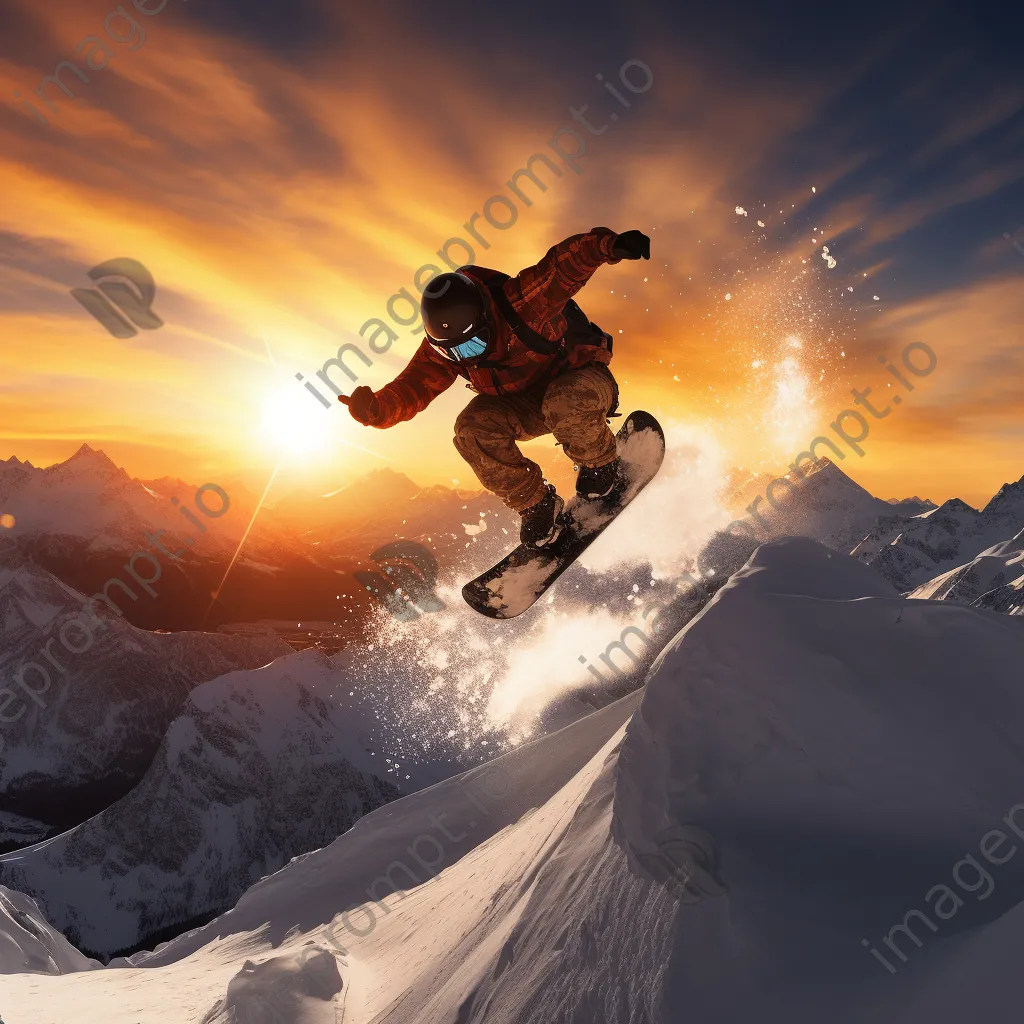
[911, 550]
[951, 551]
[82, 520]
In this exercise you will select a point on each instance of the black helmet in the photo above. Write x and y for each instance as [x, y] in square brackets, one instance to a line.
[454, 317]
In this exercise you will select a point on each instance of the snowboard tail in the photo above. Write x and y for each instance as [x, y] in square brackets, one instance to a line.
[518, 580]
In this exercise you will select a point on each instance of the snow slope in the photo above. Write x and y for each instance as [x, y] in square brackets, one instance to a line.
[827, 752]
[490, 828]
[811, 759]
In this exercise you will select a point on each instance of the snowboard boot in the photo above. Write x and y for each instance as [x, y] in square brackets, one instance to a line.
[595, 482]
[541, 524]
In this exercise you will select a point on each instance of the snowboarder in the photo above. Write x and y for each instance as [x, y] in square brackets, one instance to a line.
[537, 364]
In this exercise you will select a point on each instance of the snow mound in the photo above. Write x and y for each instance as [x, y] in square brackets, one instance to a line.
[28, 944]
[824, 752]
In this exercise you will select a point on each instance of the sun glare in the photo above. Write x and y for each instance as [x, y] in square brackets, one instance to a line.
[292, 424]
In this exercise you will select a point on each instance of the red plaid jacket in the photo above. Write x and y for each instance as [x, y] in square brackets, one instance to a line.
[538, 294]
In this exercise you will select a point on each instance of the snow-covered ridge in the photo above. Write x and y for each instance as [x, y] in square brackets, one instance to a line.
[93, 712]
[993, 579]
[29, 944]
[258, 767]
[809, 768]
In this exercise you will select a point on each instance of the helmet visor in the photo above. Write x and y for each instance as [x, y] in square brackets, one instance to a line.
[474, 347]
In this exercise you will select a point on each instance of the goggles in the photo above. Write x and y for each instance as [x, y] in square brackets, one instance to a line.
[465, 351]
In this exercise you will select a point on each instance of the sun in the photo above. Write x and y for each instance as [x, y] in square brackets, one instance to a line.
[294, 425]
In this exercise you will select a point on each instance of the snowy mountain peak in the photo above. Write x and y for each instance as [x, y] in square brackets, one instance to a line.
[13, 474]
[955, 506]
[88, 461]
[823, 477]
[1009, 499]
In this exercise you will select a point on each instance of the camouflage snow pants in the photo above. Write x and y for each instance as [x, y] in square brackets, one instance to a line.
[573, 406]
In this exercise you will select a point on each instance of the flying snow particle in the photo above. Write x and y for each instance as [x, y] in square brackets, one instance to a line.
[849, 287]
[760, 223]
[875, 297]
[7, 521]
[741, 211]
[455, 481]
[813, 189]
[675, 377]
[728, 296]
[829, 260]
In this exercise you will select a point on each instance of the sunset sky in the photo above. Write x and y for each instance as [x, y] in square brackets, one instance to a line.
[283, 169]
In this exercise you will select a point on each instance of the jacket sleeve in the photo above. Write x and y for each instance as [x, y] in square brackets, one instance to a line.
[564, 270]
[426, 376]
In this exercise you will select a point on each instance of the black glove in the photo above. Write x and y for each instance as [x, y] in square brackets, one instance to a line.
[632, 245]
[363, 405]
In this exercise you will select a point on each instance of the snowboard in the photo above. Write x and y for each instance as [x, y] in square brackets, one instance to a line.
[520, 578]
